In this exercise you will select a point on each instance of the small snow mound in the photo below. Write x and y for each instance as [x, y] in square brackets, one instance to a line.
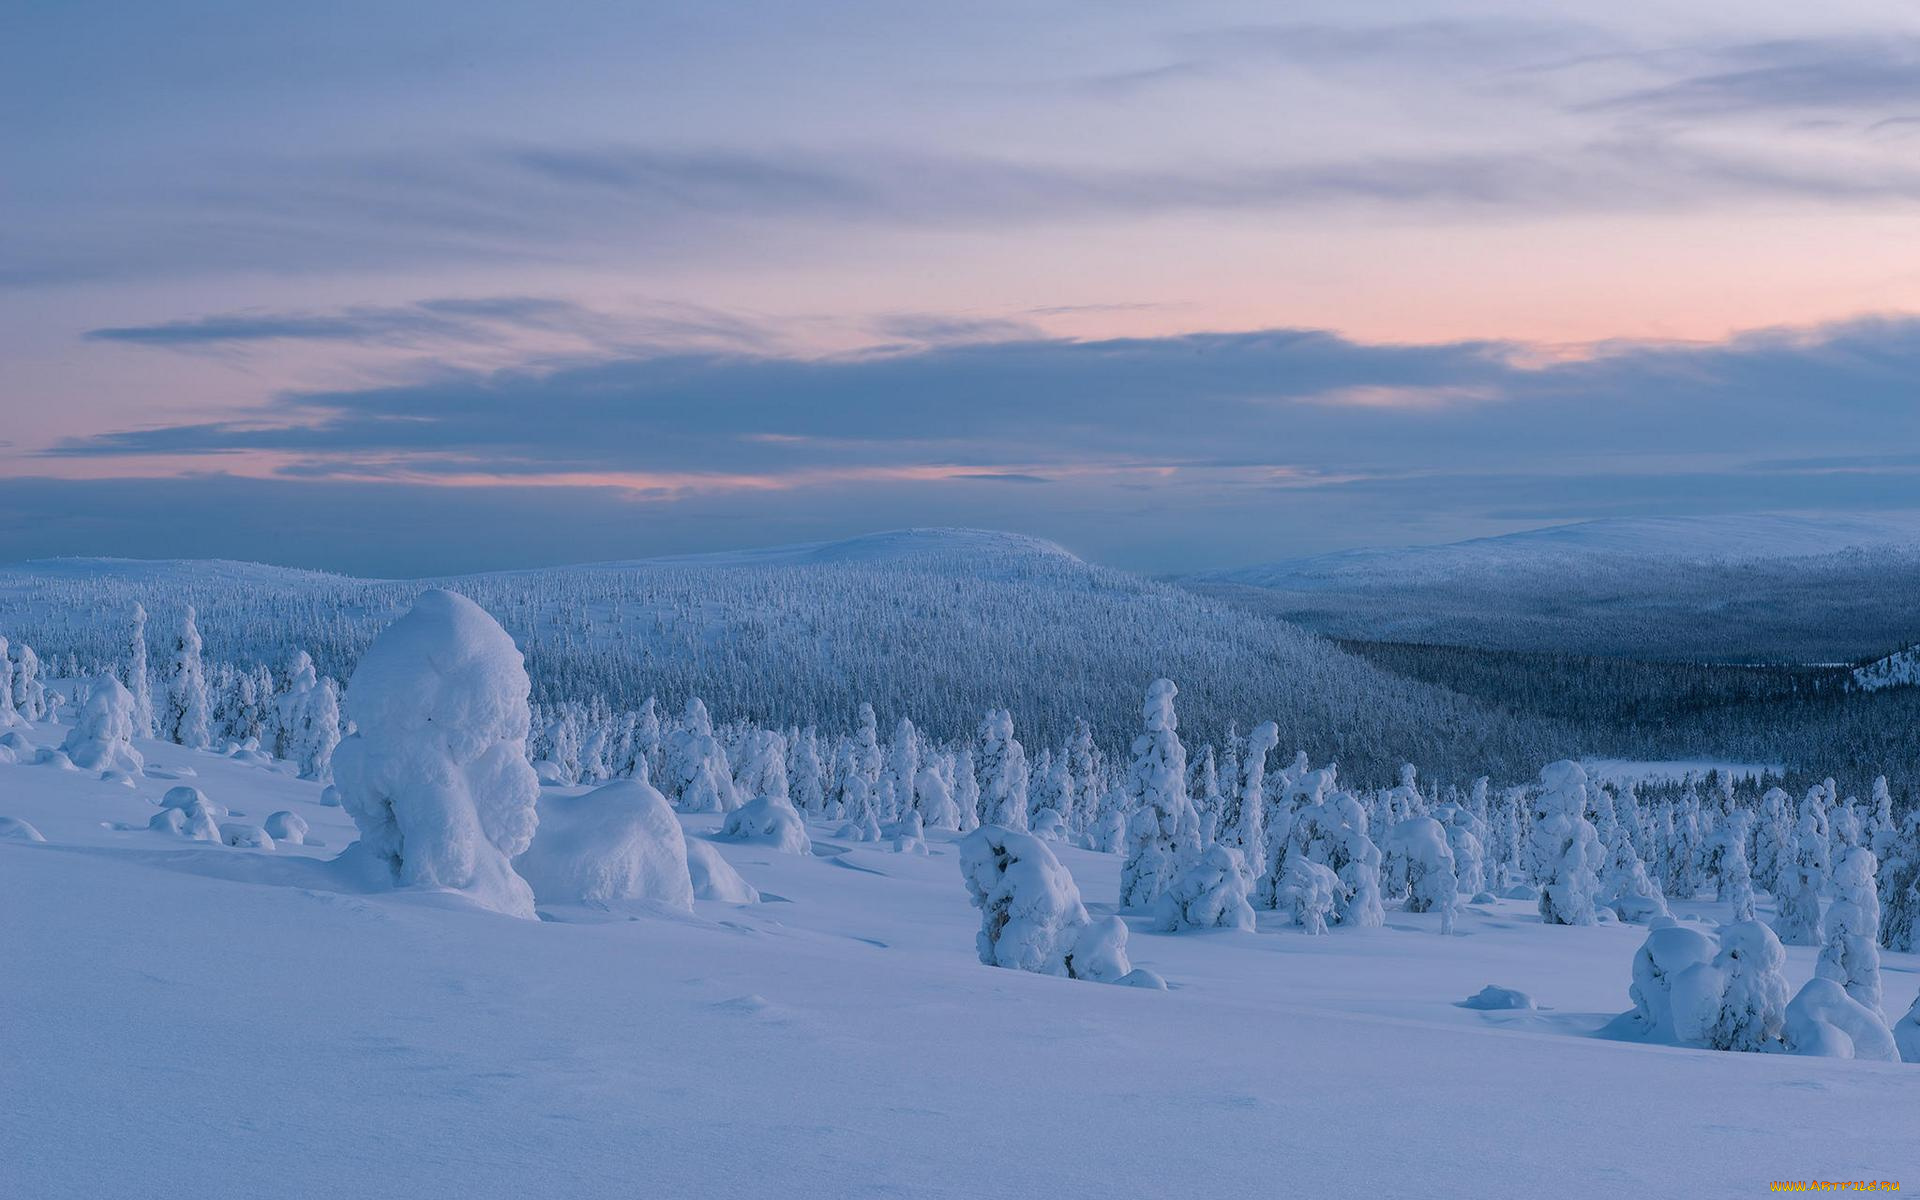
[1492, 998]
[15, 829]
[618, 842]
[247, 837]
[190, 798]
[1142, 977]
[47, 756]
[714, 877]
[1048, 824]
[288, 827]
[195, 823]
[330, 797]
[1521, 891]
[1483, 898]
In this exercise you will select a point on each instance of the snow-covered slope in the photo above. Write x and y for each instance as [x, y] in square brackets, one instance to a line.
[216, 1023]
[1899, 669]
[1745, 587]
[936, 625]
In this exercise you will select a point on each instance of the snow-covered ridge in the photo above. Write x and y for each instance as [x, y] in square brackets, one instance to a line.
[1900, 669]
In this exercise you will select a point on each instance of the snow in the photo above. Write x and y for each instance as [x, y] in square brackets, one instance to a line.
[617, 1058]
[617, 842]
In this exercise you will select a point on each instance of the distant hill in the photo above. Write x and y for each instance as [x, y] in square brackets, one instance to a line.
[936, 625]
[1750, 588]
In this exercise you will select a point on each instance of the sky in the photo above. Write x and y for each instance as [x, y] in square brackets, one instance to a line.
[409, 289]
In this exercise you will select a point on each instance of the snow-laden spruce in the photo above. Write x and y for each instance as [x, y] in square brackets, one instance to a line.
[1210, 894]
[1004, 776]
[1424, 866]
[436, 775]
[1163, 835]
[1563, 849]
[102, 736]
[1306, 894]
[1031, 917]
[620, 841]
[1850, 951]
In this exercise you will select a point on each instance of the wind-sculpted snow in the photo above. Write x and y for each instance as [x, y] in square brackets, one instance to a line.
[938, 626]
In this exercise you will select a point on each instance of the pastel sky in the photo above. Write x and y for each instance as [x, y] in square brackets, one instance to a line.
[409, 288]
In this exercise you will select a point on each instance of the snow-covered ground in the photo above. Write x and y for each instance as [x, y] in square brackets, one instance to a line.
[189, 1020]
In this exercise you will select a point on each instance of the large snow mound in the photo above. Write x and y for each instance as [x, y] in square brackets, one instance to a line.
[618, 842]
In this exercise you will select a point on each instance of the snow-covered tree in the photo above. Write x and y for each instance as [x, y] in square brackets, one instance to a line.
[901, 773]
[1002, 765]
[1163, 835]
[1083, 760]
[1773, 841]
[1627, 888]
[966, 789]
[1753, 988]
[1420, 845]
[618, 842]
[1900, 887]
[1801, 895]
[1736, 881]
[436, 775]
[1823, 1021]
[139, 677]
[1210, 894]
[102, 736]
[1563, 851]
[1031, 917]
[29, 696]
[1307, 893]
[187, 720]
[935, 793]
[699, 777]
[809, 789]
[1850, 954]
[1249, 834]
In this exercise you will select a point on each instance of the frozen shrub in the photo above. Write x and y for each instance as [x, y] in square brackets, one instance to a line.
[436, 776]
[617, 842]
[1211, 894]
[102, 737]
[1826, 1022]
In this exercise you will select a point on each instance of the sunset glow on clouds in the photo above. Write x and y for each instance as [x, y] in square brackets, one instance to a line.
[1179, 285]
